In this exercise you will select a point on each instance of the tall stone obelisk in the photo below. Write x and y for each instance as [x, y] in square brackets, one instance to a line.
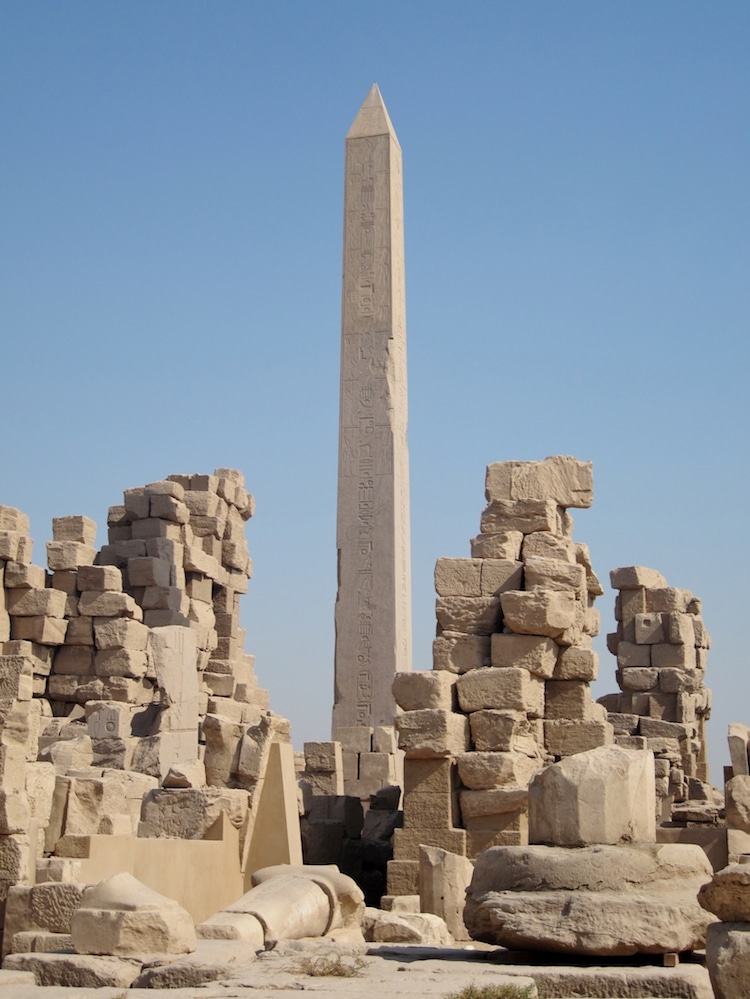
[373, 604]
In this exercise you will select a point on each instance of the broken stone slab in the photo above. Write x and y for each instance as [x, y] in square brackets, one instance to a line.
[121, 917]
[422, 928]
[728, 959]
[727, 895]
[78, 971]
[605, 795]
[562, 478]
[212, 961]
[602, 900]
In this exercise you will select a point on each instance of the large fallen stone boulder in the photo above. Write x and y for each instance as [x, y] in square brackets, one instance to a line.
[599, 900]
[122, 917]
[423, 928]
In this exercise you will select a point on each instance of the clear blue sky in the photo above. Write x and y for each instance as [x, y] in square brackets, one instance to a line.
[576, 184]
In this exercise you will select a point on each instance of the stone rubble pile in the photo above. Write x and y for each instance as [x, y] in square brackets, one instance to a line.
[127, 703]
[512, 667]
[661, 644]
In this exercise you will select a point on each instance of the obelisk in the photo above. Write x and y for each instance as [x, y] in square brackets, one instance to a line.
[373, 604]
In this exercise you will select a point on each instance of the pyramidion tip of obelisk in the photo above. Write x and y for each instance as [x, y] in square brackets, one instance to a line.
[372, 118]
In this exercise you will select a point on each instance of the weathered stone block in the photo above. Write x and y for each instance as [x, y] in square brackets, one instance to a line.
[567, 738]
[500, 731]
[432, 733]
[536, 654]
[674, 656]
[561, 478]
[76, 528]
[406, 842]
[555, 574]
[568, 699]
[468, 615]
[458, 577]
[525, 516]
[76, 660]
[499, 575]
[458, 653]
[538, 612]
[574, 663]
[429, 689]
[509, 689]
[633, 576]
[430, 811]
[429, 776]
[504, 545]
[69, 555]
[481, 771]
[33, 603]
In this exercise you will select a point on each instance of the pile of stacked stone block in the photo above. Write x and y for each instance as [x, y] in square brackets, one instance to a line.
[123, 675]
[661, 644]
[512, 667]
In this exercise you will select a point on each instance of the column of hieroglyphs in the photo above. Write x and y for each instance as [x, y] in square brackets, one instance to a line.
[512, 667]
[661, 644]
[373, 605]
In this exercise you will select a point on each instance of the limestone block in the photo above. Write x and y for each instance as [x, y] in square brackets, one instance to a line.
[149, 572]
[508, 689]
[727, 895]
[544, 544]
[432, 732]
[403, 877]
[728, 959]
[80, 631]
[499, 575]
[190, 813]
[649, 629]
[536, 654]
[14, 812]
[15, 680]
[109, 604]
[9, 542]
[69, 753]
[538, 612]
[431, 811]
[155, 527]
[21, 575]
[69, 555]
[406, 843]
[482, 771]
[162, 618]
[39, 787]
[323, 757]
[500, 731]
[483, 804]
[99, 577]
[169, 508]
[526, 516]
[468, 615]
[679, 628]
[12, 519]
[423, 928]
[638, 678]
[173, 654]
[430, 689]
[16, 858]
[630, 655]
[564, 479]
[120, 662]
[668, 598]
[568, 699]
[429, 776]
[76, 660]
[52, 904]
[555, 574]
[107, 720]
[458, 653]
[673, 656]
[739, 740]
[122, 917]
[605, 795]
[575, 663]
[634, 576]
[503, 545]
[443, 880]
[737, 802]
[567, 738]
[120, 633]
[33, 603]
[75, 528]
[384, 739]
[626, 899]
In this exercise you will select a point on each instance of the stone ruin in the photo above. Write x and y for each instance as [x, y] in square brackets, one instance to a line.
[661, 645]
[512, 665]
[129, 711]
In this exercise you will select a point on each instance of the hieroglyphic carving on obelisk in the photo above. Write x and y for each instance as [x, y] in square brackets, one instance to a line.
[373, 605]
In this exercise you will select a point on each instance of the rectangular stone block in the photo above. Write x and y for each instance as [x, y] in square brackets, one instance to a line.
[75, 660]
[323, 757]
[739, 741]
[403, 877]
[80, 631]
[506, 689]
[630, 655]
[539, 612]
[424, 776]
[406, 842]
[562, 478]
[425, 689]
[456, 653]
[633, 576]
[483, 771]
[99, 577]
[649, 629]
[497, 731]
[169, 508]
[555, 574]
[504, 545]
[638, 678]
[431, 811]
[499, 575]
[109, 720]
[679, 628]
[76, 528]
[675, 656]
[458, 577]
[33, 603]
[354, 739]
[379, 767]
[568, 699]
[534, 653]
[120, 633]
[575, 663]
[120, 662]
[566, 738]
[154, 527]
[432, 733]
[483, 807]
[525, 516]
[468, 615]
[69, 555]
[544, 544]
[42, 630]
[384, 740]
[21, 575]
[515, 834]
[109, 604]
